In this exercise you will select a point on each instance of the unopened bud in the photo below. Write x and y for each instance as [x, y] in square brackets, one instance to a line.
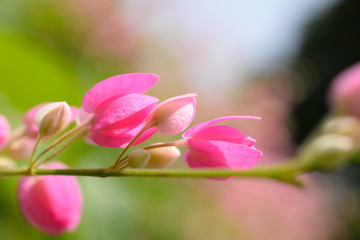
[343, 125]
[163, 157]
[329, 151]
[21, 148]
[175, 114]
[53, 118]
[139, 158]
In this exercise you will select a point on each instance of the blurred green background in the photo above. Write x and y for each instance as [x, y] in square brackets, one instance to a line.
[56, 50]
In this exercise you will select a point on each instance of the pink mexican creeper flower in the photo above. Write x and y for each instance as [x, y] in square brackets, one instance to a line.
[52, 204]
[121, 111]
[345, 91]
[119, 108]
[220, 146]
[4, 131]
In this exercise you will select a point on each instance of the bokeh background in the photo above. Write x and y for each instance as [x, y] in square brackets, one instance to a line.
[273, 59]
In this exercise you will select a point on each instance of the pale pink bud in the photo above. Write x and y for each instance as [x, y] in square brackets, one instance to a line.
[4, 131]
[163, 157]
[21, 148]
[53, 117]
[52, 204]
[139, 158]
[174, 115]
[345, 91]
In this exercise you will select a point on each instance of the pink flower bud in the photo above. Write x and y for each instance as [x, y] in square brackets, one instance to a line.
[139, 158]
[174, 115]
[4, 131]
[52, 204]
[21, 148]
[345, 91]
[220, 146]
[53, 118]
[163, 157]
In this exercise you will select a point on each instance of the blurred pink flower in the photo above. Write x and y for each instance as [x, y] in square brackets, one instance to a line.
[52, 204]
[174, 115]
[21, 147]
[345, 91]
[119, 108]
[220, 146]
[4, 131]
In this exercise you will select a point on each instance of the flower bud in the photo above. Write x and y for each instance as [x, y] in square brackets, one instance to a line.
[174, 115]
[21, 148]
[348, 126]
[53, 118]
[4, 131]
[139, 158]
[345, 91]
[163, 157]
[329, 151]
[52, 204]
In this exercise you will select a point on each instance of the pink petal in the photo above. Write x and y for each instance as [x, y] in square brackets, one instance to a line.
[189, 133]
[344, 91]
[117, 86]
[4, 131]
[218, 154]
[124, 113]
[175, 114]
[224, 133]
[52, 204]
[114, 140]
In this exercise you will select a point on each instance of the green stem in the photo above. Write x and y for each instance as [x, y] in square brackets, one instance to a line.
[119, 160]
[285, 173]
[62, 149]
[61, 139]
[32, 160]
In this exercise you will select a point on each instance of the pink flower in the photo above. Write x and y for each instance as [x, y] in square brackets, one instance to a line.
[119, 108]
[4, 131]
[220, 146]
[52, 204]
[174, 115]
[345, 91]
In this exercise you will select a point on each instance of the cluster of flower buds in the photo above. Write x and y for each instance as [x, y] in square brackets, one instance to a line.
[116, 113]
[337, 141]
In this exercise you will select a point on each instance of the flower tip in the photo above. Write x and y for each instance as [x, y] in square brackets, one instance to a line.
[174, 114]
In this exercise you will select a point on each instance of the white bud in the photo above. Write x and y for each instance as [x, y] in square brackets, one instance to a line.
[53, 117]
[139, 158]
[343, 125]
[163, 157]
[329, 151]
